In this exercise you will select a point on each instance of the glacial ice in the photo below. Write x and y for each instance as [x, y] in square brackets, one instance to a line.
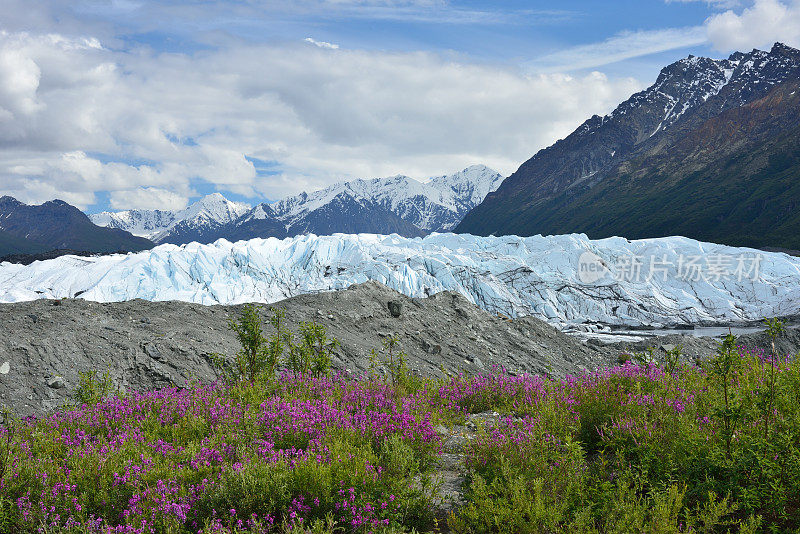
[648, 282]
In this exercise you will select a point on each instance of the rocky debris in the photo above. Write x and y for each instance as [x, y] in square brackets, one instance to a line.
[451, 478]
[395, 308]
[695, 349]
[451, 472]
[56, 382]
[148, 345]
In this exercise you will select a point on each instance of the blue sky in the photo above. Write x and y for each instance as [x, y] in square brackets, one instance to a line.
[514, 33]
[113, 104]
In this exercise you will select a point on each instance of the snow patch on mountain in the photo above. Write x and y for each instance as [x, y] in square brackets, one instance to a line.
[142, 223]
[470, 186]
[433, 206]
[210, 211]
[690, 82]
[516, 276]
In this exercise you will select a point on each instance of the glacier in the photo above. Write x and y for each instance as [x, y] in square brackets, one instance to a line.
[543, 276]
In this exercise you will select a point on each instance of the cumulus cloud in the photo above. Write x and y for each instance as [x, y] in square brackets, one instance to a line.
[77, 117]
[758, 26]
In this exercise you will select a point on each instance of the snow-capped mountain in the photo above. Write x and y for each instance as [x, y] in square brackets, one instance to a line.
[142, 223]
[541, 276]
[197, 221]
[397, 204]
[468, 188]
[703, 152]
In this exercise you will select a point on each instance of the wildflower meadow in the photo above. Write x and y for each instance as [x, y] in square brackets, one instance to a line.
[641, 447]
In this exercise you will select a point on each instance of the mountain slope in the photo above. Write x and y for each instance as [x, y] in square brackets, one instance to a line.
[142, 223]
[195, 223]
[349, 214]
[708, 151]
[11, 244]
[58, 225]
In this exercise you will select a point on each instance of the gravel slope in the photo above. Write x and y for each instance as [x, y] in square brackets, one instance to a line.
[147, 345]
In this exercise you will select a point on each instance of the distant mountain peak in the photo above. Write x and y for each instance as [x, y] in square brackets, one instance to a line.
[779, 47]
[9, 200]
[214, 207]
[395, 204]
[209, 212]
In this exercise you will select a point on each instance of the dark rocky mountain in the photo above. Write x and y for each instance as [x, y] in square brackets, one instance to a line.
[11, 244]
[258, 222]
[26, 229]
[711, 151]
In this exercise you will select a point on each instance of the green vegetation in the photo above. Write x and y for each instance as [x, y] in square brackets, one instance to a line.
[93, 388]
[390, 363]
[260, 355]
[655, 446]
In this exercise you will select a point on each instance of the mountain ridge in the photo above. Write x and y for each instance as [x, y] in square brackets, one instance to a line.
[53, 225]
[165, 226]
[396, 204]
[625, 155]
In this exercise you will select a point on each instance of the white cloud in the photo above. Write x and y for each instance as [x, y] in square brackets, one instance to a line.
[713, 3]
[620, 47]
[758, 26]
[321, 44]
[78, 118]
[147, 198]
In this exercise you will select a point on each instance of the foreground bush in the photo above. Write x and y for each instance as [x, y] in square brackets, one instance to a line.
[635, 449]
[628, 449]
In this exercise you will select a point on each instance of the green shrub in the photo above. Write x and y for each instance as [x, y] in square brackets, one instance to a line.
[313, 354]
[257, 354]
[260, 356]
[393, 361]
[93, 387]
